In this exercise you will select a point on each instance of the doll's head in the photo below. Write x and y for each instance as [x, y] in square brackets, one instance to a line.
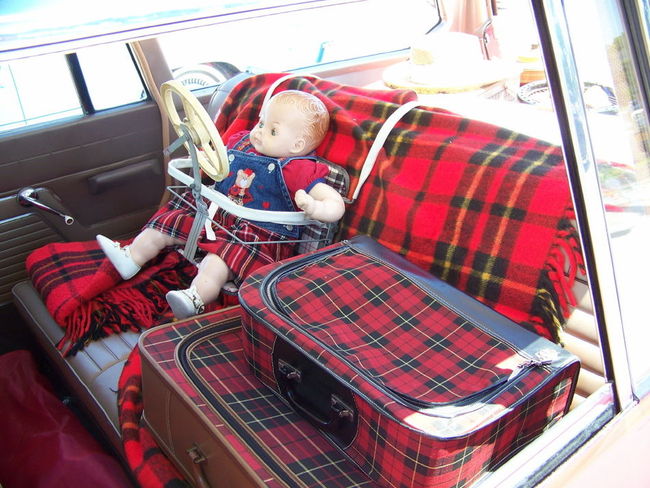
[292, 123]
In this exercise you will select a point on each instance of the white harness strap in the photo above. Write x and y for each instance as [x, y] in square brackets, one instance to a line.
[379, 141]
[209, 231]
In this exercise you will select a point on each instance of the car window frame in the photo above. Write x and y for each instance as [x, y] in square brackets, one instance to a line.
[78, 85]
[544, 454]
[566, 93]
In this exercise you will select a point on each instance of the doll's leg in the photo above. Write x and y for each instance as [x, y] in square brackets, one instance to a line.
[206, 286]
[210, 278]
[148, 244]
[129, 259]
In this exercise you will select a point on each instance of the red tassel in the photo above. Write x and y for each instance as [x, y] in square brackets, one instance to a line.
[563, 264]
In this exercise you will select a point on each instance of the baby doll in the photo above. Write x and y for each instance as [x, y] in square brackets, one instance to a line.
[268, 165]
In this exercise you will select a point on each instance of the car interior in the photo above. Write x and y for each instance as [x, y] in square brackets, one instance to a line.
[107, 174]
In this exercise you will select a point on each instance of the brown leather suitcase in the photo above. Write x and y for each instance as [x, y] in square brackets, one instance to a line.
[218, 424]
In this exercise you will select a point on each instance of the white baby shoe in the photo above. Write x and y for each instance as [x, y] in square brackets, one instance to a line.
[120, 257]
[185, 303]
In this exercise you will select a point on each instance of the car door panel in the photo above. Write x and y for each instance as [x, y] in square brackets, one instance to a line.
[21, 234]
[104, 170]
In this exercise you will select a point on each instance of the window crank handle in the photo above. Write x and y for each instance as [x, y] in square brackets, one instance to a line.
[28, 197]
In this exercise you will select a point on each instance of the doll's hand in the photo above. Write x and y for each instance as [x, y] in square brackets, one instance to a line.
[321, 203]
[305, 202]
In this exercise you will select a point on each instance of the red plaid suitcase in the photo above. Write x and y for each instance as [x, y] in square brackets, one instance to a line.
[216, 421]
[417, 383]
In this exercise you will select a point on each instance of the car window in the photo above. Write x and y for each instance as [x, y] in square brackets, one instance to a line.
[27, 85]
[298, 39]
[621, 143]
[111, 76]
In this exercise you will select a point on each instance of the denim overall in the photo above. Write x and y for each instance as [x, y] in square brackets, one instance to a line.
[257, 182]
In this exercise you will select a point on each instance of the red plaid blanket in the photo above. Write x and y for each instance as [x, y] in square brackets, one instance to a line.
[482, 207]
[86, 296]
[149, 465]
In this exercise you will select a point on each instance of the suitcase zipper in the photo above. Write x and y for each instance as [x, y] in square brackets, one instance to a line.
[468, 403]
[477, 399]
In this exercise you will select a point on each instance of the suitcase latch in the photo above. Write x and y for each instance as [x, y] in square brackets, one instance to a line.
[195, 455]
[341, 408]
[288, 371]
[198, 459]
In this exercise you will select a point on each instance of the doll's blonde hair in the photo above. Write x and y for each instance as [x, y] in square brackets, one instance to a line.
[314, 111]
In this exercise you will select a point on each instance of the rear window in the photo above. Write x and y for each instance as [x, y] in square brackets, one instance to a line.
[298, 39]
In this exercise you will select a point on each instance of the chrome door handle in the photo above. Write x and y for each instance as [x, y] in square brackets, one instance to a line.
[28, 197]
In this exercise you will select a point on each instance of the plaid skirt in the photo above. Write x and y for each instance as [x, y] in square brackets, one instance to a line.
[243, 246]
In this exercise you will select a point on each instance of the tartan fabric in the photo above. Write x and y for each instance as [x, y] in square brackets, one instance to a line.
[244, 260]
[280, 447]
[482, 207]
[356, 318]
[406, 458]
[315, 236]
[86, 296]
[147, 462]
[416, 346]
[175, 220]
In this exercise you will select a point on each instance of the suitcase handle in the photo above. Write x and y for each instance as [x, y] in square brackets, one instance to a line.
[338, 409]
[197, 462]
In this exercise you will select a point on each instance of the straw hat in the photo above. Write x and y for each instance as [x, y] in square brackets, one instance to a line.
[448, 62]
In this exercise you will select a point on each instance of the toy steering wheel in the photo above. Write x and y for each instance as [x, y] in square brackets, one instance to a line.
[211, 154]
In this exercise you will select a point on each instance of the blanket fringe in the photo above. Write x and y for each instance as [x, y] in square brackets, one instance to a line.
[123, 308]
[555, 297]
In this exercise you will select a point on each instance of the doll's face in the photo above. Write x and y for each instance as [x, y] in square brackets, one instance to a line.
[280, 131]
